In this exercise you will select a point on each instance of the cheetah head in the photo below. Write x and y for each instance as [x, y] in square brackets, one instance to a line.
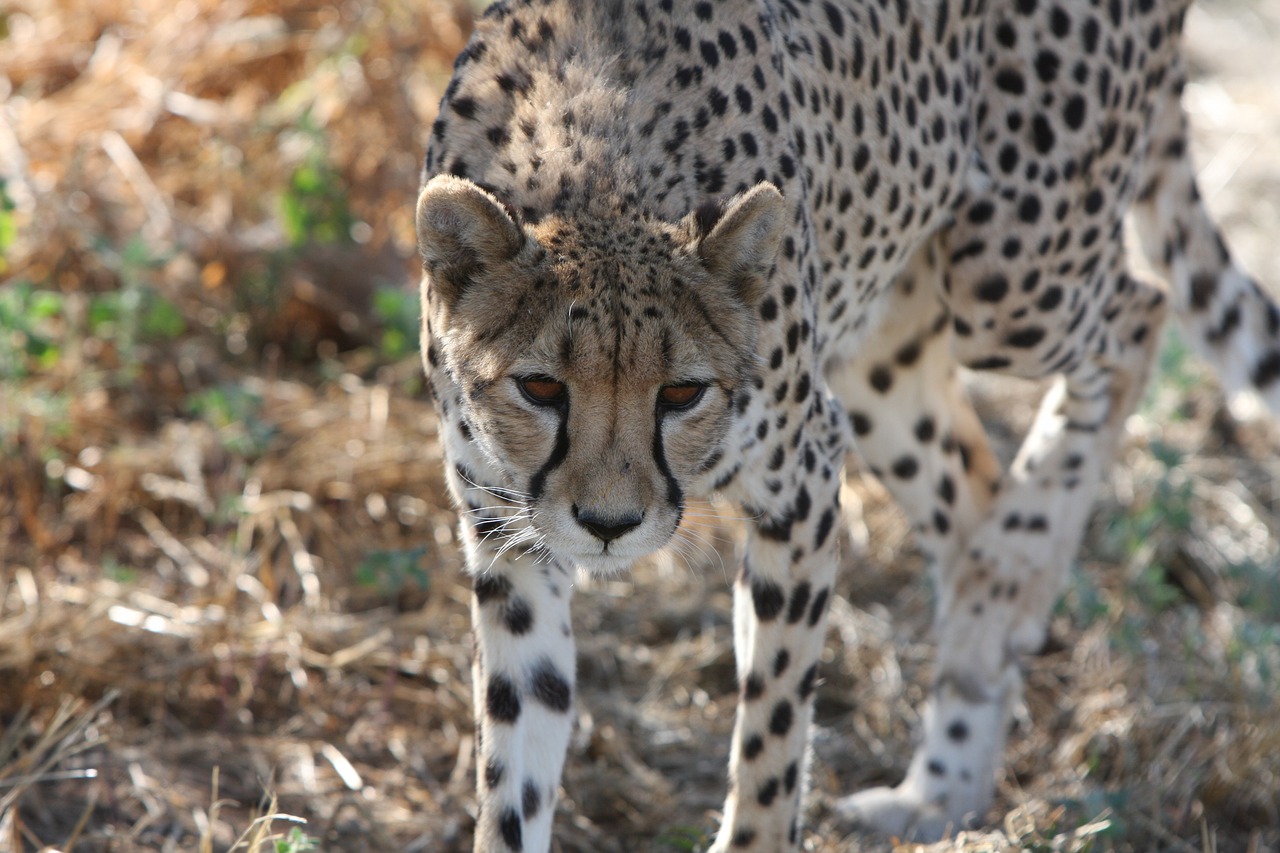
[595, 361]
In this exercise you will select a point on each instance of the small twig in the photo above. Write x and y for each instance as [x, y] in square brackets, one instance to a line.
[135, 173]
[303, 561]
[89, 808]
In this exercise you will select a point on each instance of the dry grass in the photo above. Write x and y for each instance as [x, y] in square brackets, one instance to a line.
[229, 589]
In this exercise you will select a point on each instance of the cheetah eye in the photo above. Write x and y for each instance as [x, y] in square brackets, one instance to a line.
[543, 390]
[680, 396]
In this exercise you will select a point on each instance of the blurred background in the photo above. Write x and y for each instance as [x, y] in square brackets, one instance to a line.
[231, 611]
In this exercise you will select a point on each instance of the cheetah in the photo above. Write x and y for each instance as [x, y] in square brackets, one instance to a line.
[675, 249]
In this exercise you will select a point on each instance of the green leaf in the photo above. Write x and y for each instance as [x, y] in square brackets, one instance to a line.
[391, 571]
[163, 319]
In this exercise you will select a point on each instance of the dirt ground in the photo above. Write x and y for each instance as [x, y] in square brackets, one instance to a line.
[231, 609]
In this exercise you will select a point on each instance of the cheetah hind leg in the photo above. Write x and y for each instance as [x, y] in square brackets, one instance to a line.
[916, 430]
[996, 595]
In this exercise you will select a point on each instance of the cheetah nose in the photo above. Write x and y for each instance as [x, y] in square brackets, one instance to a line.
[606, 529]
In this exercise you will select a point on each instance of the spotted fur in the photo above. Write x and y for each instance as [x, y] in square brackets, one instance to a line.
[673, 249]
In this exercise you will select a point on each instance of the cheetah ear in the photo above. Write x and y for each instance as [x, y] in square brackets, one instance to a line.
[461, 230]
[739, 240]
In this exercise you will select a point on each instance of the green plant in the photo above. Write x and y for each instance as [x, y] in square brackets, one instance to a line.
[397, 312]
[28, 342]
[233, 412]
[8, 225]
[296, 842]
[1177, 374]
[1082, 601]
[682, 838]
[313, 205]
[391, 571]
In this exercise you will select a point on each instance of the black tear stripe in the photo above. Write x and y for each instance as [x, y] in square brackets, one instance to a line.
[559, 453]
[675, 495]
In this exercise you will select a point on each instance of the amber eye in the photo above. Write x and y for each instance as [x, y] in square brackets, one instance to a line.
[543, 390]
[680, 396]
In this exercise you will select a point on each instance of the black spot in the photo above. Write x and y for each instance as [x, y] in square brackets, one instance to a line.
[819, 606]
[940, 522]
[803, 501]
[744, 836]
[1089, 34]
[1010, 80]
[925, 430]
[860, 422]
[509, 826]
[947, 489]
[808, 681]
[958, 731]
[1073, 112]
[824, 528]
[517, 616]
[1008, 158]
[905, 467]
[780, 662]
[1203, 287]
[465, 107]
[776, 529]
[487, 587]
[993, 288]
[768, 791]
[1025, 338]
[1029, 209]
[1047, 64]
[551, 688]
[1050, 299]
[780, 719]
[1042, 133]
[752, 747]
[493, 772]
[501, 699]
[834, 19]
[799, 602]
[1267, 370]
[981, 212]
[881, 378]
[908, 354]
[531, 799]
[710, 55]
[768, 599]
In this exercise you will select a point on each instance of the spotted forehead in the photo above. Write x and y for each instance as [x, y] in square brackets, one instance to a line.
[631, 302]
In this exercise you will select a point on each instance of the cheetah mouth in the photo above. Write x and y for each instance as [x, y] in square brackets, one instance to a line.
[604, 564]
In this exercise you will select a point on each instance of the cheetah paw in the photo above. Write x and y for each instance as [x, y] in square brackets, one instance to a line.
[897, 813]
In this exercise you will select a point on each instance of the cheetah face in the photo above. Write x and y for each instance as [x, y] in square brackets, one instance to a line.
[594, 362]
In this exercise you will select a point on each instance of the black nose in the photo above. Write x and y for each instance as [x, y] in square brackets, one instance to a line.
[606, 529]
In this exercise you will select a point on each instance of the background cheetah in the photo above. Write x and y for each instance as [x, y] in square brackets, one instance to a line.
[608, 336]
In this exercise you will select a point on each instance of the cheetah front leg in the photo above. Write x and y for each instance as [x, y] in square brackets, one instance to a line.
[780, 610]
[524, 664]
